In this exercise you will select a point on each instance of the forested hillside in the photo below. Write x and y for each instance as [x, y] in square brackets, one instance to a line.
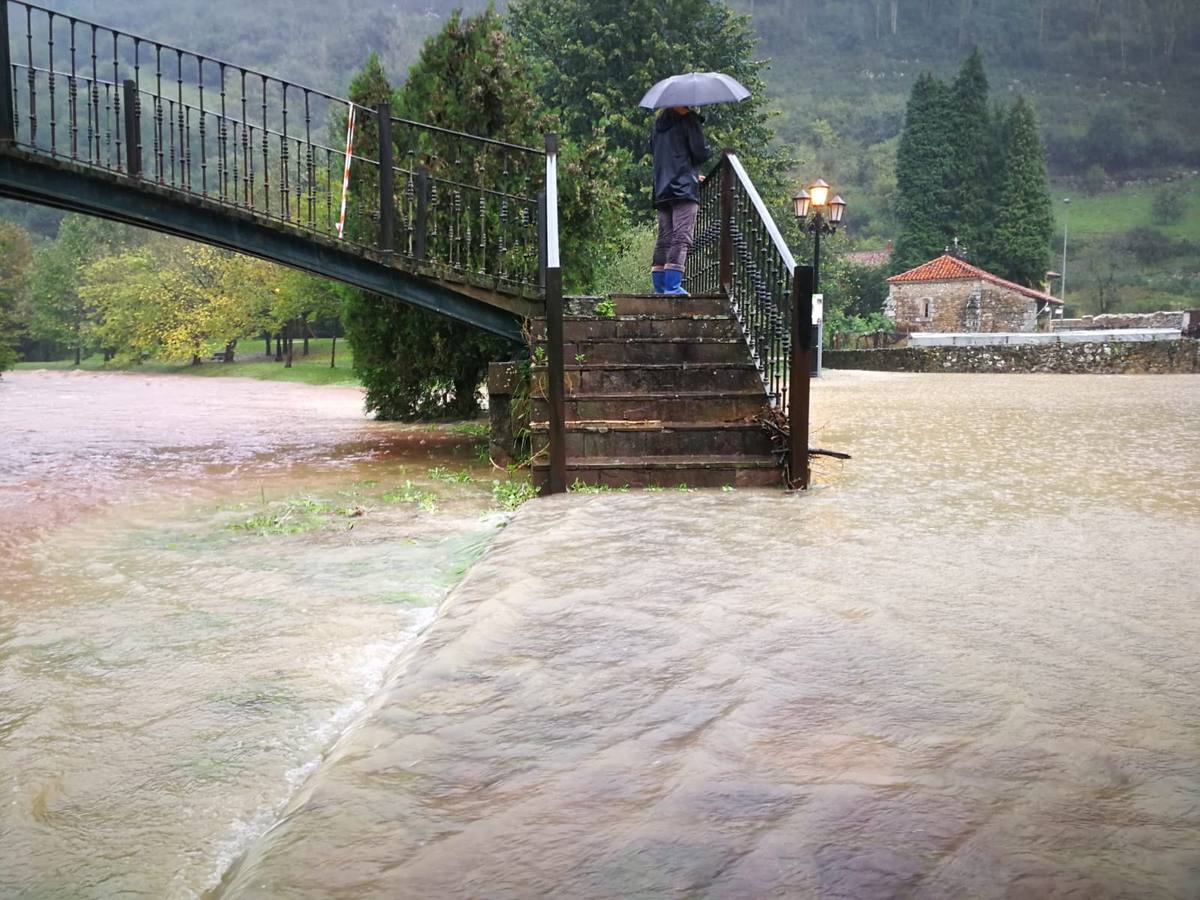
[1113, 84]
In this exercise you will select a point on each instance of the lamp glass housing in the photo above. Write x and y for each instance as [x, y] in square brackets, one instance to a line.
[801, 202]
[837, 209]
[819, 191]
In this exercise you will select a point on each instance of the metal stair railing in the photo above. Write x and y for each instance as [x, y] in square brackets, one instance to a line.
[441, 202]
[740, 252]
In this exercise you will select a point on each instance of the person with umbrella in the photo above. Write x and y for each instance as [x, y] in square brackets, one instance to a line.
[679, 147]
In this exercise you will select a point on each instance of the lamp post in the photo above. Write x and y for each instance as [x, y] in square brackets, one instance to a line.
[1066, 217]
[818, 215]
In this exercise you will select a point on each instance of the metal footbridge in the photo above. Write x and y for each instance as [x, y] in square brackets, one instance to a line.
[99, 121]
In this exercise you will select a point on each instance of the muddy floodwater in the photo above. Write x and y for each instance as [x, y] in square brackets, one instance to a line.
[965, 665]
[203, 583]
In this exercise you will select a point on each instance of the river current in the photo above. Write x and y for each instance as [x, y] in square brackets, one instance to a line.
[963, 666]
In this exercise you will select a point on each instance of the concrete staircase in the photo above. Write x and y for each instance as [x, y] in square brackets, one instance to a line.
[662, 393]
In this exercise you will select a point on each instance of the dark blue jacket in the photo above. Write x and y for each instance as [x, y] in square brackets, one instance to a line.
[679, 146]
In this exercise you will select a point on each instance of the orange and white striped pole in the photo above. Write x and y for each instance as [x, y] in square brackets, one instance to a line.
[341, 227]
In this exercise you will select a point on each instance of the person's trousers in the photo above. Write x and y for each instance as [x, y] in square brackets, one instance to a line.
[676, 222]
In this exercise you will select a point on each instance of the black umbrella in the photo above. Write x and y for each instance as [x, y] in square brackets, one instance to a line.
[694, 89]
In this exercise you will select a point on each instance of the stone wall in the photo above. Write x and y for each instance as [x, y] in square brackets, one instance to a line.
[1151, 358]
[1163, 319]
[508, 412]
[962, 305]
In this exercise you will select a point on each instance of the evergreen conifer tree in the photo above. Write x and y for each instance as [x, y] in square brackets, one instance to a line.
[413, 363]
[1025, 220]
[923, 172]
[471, 78]
[971, 159]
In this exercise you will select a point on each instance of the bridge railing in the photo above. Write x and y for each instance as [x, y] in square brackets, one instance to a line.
[739, 251]
[430, 198]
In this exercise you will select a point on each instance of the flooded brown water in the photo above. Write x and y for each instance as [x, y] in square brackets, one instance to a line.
[202, 585]
[964, 666]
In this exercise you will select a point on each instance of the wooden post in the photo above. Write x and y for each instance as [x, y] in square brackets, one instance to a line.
[387, 180]
[133, 131]
[8, 128]
[725, 276]
[800, 377]
[555, 366]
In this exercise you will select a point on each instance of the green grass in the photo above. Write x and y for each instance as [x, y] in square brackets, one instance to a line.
[1114, 212]
[249, 362]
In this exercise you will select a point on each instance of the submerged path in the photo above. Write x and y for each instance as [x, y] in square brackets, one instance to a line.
[966, 667]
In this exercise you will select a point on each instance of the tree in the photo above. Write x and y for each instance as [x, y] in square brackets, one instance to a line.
[923, 176]
[15, 258]
[1024, 220]
[596, 58]
[60, 316]
[415, 364]
[171, 299]
[972, 140]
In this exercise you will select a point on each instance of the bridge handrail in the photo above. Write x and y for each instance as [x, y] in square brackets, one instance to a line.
[740, 251]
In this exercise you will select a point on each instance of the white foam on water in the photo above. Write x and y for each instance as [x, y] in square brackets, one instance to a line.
[362, 671]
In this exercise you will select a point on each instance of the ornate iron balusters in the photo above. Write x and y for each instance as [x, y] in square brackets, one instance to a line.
[73, 98]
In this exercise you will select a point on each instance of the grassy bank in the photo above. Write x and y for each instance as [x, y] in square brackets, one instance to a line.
[311, 369]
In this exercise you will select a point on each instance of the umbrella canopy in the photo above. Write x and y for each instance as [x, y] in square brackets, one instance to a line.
[694, 89]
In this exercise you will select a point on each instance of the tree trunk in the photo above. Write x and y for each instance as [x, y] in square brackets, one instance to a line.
[279, 346]
[333, 352]
[287, 339]
[304, 331]
[229, 350]
[196, 360]
[267, 338]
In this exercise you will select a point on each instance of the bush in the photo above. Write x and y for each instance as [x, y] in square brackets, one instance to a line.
[1168, 205]
[628, 271]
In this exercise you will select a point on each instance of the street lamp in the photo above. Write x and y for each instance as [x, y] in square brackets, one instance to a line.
[818, 215]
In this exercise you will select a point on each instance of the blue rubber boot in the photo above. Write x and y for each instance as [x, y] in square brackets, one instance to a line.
[673, 282]
[657, 278]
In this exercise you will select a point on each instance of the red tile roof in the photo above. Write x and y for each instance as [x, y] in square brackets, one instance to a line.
[950, 268]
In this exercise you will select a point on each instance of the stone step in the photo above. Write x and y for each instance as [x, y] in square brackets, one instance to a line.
[576, 328]
[655, 350]
[651, 305]
[668, 471]
[653, 439]
[666, 406]
[601, 378]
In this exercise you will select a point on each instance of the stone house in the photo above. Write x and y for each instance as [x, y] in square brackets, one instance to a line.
[949, 294]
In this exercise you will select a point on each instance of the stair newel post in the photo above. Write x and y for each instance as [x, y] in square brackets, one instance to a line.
[726, 250]
[387, 180]
[555, 373]
[8, 129]
[800, 376]
[133, 130]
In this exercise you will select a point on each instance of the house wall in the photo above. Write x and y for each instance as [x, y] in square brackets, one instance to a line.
[960, 306]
